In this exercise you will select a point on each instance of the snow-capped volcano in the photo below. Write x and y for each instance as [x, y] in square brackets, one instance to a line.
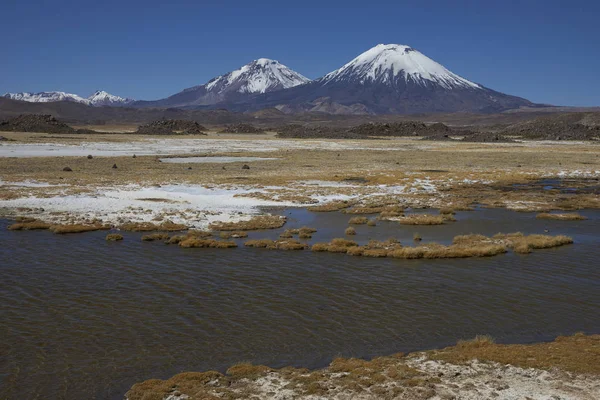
[99, 98]
[388, 79]
[259, 76]
[102, 98]
[384, 63]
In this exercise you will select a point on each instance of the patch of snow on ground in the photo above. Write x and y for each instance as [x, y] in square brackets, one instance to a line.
[191, 205]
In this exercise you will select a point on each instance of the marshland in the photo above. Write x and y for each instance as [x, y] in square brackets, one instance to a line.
[321, 254]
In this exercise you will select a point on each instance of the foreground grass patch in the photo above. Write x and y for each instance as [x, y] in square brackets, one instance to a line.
[578, 353]
[397, 376]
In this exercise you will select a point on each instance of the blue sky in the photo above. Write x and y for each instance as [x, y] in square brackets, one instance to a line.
[545, 51]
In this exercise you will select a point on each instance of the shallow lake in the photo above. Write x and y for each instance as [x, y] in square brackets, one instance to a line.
[85, 318]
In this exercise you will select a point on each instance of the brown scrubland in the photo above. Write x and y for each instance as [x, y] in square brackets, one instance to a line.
[472, 367]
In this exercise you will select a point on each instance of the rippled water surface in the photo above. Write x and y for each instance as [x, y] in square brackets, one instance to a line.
[83, 318]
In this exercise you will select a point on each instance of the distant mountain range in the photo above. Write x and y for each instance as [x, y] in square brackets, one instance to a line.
[99, 98]
[386, 79]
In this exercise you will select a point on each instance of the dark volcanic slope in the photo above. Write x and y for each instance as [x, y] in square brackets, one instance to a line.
[259, 76]
[571, 126]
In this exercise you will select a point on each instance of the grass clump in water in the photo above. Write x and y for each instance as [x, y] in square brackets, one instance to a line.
[284, 244]
[77, 228]
[423, 219]
[337, 245]
[358, 220]
[233, 235]
[350, 231]
[149, 227]
[114, 237]
[256, 223]
[192, 242]
[28, 224]
[562, 217]
[155, 236]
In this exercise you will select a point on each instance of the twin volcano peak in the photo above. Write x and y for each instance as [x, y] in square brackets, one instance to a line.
[385, 63]
[260, 76]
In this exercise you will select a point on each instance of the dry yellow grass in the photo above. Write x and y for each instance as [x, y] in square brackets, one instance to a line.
[256, 223]
[578, 353]
[77, 228]
[149, 227]
[114, 237]
[350, 231]
[562, 217]
[524, 244]
[331, 206]
[372, 222]
[422, 219]
[29, 225]
[284, 244]
[234, 235]
[377, 378]
[358, 220]
[337, 245]
[155, 236]
[192, 242]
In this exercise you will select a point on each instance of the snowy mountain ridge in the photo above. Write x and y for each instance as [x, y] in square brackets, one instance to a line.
[99, 98]
[259, 76]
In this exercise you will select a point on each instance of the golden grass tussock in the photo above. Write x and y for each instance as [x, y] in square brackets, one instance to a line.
[149, 227]
[29, 225]
[177, 239]
[155, 236]
[77, 228]
[422, 219]
[434, 250]
[358, 220]
[578, 353]
[562, 217]
[114, 237]
[331, 206]
[287, 234]
[248, 371]
[447, 210]
[233, 235]
[391, 214]
[192, 242]
[523, 244]
[255, 223]
[337, 245]
[372, 222]
[417, 237]
[284, 244]
[350, 231]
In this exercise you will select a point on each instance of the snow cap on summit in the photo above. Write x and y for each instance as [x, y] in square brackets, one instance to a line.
[385, 62]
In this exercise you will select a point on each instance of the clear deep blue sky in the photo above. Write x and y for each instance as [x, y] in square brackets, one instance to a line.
[546, 51]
